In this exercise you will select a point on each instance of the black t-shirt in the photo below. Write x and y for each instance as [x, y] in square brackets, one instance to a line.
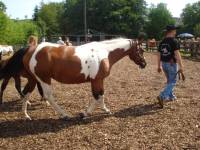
[167, 48]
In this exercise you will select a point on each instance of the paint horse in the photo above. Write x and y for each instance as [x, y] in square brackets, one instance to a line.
[91, 62]
[13, 68]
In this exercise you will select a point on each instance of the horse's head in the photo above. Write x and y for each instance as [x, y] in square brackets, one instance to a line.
[136, 53]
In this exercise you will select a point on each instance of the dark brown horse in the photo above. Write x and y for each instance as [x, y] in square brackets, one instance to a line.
[91, 62]
[13, 68]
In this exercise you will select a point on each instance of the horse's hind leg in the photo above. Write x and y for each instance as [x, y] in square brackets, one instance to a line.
[48, 94]
[3, 87]
[42, 93]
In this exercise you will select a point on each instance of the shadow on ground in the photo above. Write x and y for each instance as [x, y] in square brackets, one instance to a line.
[18, 128]
[15, 106]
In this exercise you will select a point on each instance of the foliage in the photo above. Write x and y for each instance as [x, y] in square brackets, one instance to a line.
[17, 32]
[197, 30]
[125, 17]
[122, 17]
[2, 7]
[191, 16]
[3, 25]
[48, 17]
[158, 18]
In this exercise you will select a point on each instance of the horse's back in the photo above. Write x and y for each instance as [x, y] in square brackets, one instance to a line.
[59, 63]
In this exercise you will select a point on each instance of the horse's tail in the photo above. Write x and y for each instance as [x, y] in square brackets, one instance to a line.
[14, 64]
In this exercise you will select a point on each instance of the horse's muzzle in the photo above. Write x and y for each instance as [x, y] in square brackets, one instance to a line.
[143, 65]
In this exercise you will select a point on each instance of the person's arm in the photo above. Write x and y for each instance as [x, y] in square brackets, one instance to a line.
[159, 62]
[179, 60]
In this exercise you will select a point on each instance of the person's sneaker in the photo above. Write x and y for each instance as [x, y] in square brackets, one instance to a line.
[160, 101]
[173, 98]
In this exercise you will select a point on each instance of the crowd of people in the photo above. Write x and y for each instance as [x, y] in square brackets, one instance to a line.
[33, 41]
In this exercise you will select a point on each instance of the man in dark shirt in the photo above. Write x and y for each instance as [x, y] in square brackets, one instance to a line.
[168, 58]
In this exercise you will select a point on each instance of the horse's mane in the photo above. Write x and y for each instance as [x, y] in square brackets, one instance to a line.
[113, 40]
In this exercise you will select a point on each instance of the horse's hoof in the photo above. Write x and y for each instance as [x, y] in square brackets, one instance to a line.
[66, 118]
[28, 103]
[22, 97]
[28, 118]
[109, 112]
[43, 99]
[83, 115]
[47, 103]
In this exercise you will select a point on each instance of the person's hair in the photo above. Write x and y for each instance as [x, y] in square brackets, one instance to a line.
[32, 40]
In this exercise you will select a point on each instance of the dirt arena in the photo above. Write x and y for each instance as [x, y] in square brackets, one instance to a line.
[137, 121]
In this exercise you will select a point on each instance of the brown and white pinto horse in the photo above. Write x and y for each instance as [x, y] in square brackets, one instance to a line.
[91, 62]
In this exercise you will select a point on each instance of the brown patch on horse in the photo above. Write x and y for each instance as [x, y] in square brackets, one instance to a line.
[59, 63]
[107, 63]
[115, 55]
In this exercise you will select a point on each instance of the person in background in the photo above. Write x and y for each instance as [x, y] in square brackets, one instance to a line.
[67, 42]
[43, 39]
[168, 58]
[32, 41]
[60, 41]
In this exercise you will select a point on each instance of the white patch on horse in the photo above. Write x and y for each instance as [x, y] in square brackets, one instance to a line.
[45, 87]
[33, 61]
[91, 54]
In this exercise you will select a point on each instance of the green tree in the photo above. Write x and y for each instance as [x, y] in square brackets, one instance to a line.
[35, 15]
[125, 17]
[3, 25]
[197, 30]
[158, 18]
[17, 32]
[191, 16]
[2, 7]
[48, 18]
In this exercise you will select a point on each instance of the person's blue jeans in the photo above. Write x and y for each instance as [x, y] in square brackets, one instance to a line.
[170, 70]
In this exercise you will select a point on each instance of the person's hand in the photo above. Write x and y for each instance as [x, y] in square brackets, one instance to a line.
[181, 74]
[180, 70]
[159, 70]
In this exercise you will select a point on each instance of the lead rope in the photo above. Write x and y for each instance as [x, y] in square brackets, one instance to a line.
[180, 75]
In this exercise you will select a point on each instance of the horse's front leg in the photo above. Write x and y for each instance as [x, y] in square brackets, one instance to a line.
[98, 94]
[103, 106]
[3, 87]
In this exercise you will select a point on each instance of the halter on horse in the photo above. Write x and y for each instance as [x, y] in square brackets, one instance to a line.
[91, 62]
